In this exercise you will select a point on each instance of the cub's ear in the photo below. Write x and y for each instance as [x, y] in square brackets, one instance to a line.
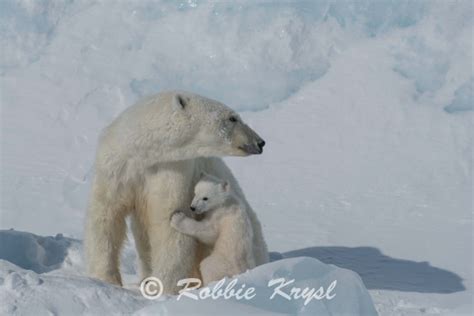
[180, 102]
[225, 186]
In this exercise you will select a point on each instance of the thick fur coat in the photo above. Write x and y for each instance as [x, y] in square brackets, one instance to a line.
[148, 161]
[226, 228]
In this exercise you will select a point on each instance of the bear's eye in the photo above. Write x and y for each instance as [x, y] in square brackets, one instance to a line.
[205, 199]
[233, 119]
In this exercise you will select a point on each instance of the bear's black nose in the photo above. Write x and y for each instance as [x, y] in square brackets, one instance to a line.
[261, 144]
[192, 208]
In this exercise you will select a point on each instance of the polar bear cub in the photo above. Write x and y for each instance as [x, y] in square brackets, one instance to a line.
[226, 228]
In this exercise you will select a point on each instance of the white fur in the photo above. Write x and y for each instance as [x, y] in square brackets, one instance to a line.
[226, 227]
[148, 161]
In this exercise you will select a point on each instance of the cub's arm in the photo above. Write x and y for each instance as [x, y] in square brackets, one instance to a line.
[201, 230]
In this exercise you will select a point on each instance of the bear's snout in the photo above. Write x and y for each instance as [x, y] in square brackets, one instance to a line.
[254, 149]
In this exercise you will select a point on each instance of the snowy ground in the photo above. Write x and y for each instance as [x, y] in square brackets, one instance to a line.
[53, 283]
[366, 107]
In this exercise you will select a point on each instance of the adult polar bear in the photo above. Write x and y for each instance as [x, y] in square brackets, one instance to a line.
[148, 162]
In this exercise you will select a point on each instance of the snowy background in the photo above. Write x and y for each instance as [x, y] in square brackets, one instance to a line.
[366, 107]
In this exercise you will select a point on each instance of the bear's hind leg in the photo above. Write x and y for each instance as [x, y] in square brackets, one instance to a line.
[103, 243]
[142, 243]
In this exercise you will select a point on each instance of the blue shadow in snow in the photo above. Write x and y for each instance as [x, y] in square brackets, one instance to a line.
[379, 271]
[33, 252]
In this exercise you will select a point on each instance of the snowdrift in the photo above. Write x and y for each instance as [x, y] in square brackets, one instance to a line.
[41, 275]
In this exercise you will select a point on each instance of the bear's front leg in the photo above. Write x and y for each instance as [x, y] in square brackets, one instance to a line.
[173, 256]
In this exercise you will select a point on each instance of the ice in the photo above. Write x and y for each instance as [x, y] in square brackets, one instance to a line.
[249, 54]
[427, 67]
[27, 27]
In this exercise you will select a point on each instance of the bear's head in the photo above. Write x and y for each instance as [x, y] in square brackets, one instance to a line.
[209, 193]
[207, 128]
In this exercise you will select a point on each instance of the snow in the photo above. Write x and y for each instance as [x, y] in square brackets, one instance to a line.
[366, 108]
[463, 100]
[351, 296]
[27, 287]
[24, 292]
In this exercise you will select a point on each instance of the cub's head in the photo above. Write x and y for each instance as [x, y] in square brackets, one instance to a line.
[209, 193]
[208, 128]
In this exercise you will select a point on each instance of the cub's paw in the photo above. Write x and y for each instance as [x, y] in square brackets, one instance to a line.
[176, 218]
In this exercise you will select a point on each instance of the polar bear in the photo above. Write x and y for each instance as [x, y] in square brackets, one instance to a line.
[147, 164]
[226, 227]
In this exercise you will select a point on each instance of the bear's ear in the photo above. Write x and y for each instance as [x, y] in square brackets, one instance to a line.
[180, 102]
[225, 186]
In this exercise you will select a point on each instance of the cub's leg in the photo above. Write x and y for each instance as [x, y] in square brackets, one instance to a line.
[213, 268]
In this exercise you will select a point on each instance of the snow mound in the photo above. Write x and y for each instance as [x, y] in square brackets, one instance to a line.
[24, 292]
[36, 253]
[24, 289]
[351, 297]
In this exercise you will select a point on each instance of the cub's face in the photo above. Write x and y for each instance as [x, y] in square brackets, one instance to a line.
[209, 194]
[213, 129]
